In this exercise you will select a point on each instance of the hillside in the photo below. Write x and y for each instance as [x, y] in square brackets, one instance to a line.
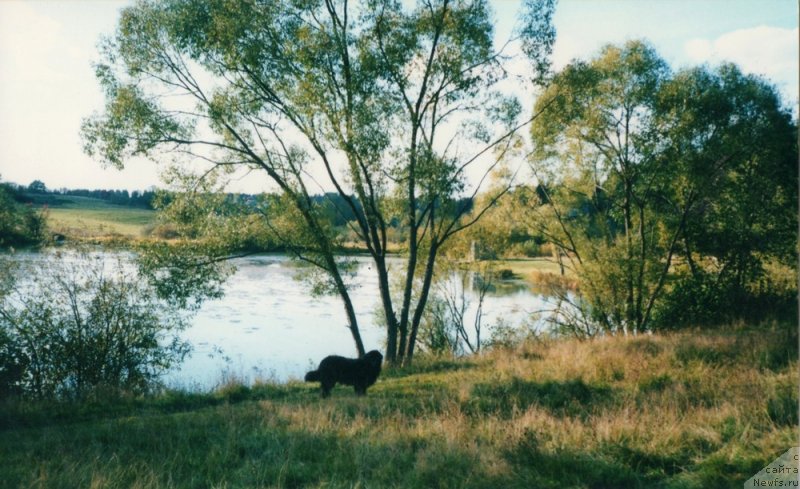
[86, 217]
[673, 411]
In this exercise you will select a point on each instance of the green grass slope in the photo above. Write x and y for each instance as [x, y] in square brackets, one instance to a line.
[673, 411]
[84, 217]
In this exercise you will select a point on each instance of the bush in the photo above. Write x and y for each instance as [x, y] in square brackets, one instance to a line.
[706, 299]
[77, 326]
[509, 336]
[20, 224]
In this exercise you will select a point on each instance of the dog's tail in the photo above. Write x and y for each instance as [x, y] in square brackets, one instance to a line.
[312, 376]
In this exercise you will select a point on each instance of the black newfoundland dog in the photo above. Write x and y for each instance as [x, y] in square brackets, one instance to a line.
[358, 372]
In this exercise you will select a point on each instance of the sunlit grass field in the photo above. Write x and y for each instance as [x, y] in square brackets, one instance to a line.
[84, 217]
[691, 410]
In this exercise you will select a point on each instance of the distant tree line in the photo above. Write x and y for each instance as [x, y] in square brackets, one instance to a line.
[331, 205]
[136, 198]
[36, 190]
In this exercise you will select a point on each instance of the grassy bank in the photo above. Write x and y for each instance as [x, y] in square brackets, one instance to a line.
[539, 273]
[675, 411]
[525, 267]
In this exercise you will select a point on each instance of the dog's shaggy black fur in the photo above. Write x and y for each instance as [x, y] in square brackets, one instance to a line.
[358, 372]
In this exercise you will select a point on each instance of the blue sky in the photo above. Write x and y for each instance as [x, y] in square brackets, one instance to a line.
[47, 84]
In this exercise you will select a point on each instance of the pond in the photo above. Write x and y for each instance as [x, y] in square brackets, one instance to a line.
[268, 326]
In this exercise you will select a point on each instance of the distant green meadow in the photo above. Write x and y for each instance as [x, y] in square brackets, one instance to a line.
[84, 217]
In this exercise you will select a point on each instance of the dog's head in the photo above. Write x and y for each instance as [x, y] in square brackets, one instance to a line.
[374, 358]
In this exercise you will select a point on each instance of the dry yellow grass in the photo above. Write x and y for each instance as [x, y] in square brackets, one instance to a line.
[691, 410]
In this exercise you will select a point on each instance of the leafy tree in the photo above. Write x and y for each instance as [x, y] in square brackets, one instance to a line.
[37, 187]
[637, 164]
[386, 105]
[20, 224]
[745, 150]
[750, 213]
[500, 232]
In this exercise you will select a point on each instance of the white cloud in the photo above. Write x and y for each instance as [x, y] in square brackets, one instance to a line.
[763, 50]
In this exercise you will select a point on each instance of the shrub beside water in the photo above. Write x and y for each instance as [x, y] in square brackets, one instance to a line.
[73, 325]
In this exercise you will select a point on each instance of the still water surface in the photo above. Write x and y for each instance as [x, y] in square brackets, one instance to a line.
[268, 325]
